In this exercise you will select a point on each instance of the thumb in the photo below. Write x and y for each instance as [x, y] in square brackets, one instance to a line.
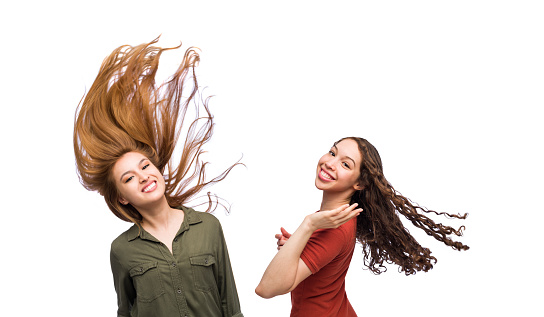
[285, 233]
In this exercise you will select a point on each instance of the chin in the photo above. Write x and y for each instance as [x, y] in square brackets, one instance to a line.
[318, 185]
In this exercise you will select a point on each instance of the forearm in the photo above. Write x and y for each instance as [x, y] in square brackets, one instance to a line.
[281, 274]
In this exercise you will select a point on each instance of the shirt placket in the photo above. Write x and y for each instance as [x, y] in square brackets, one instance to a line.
[176, 277]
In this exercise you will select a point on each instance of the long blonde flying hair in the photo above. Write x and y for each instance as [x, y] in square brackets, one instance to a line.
[125, 111]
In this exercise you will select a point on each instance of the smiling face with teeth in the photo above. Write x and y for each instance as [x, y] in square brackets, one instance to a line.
[338, 171]
[138, 181]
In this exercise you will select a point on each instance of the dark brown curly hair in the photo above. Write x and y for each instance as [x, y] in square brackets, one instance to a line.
[124, 111]
[379, 228]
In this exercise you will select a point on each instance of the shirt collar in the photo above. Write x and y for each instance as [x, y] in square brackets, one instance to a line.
[191, 218]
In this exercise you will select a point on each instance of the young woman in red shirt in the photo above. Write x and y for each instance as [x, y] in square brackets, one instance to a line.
[358, 204]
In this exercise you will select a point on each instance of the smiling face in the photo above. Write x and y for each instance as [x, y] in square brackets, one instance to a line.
[138, 181]
[339, 170]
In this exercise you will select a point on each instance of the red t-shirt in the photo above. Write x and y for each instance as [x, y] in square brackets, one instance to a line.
[327, 254]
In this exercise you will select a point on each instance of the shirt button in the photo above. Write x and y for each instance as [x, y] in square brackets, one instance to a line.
[206, 261]
[173, 264]
[179, 291]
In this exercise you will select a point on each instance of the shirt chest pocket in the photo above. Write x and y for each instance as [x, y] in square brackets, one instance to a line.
[147, 281]
[203, 273]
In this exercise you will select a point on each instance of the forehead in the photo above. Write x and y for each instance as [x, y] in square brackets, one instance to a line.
[127, 162]
[349, 147]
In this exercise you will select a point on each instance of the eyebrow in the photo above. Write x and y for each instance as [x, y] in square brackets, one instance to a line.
[130, 171]
[345, 155]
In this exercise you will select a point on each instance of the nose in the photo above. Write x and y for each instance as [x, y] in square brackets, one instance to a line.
[143, 178]
[330, 164]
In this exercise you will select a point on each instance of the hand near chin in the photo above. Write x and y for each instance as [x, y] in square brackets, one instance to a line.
[323, 220]
[332, 218]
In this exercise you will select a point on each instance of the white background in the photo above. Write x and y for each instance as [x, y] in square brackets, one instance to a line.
[450, 93]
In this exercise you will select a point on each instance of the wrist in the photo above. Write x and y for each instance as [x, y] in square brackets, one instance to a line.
[308, 224]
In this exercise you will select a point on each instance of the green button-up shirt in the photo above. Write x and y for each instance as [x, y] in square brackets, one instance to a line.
[195, 279]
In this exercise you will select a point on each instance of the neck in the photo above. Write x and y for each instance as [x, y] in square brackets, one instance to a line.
[333, 200]
[156, 216]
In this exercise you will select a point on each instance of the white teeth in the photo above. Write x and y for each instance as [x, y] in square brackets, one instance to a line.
[325, 175]
[150, 187]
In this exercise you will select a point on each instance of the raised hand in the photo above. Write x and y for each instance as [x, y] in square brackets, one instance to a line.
[333, 218]
[323, 220]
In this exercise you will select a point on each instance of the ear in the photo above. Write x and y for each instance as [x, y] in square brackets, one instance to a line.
[123, 201]
[358, 186]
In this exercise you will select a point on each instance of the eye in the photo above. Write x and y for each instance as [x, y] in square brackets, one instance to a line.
[128, 179]
[346, 165]
[145, 166]
[332, 153]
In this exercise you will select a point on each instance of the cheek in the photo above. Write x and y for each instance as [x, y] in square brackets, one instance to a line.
[124, 190]
[350, 177]
[120, 192]
[318, 165]
[321, 161]
[161, 181]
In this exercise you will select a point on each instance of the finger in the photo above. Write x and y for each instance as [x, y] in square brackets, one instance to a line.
[352, 212]
[352, 207]
[281, 242]
[342, 212]
[334, 214]
[349, 210]
[278, 236]
[350, 215]
[285, 233]
[340, 209]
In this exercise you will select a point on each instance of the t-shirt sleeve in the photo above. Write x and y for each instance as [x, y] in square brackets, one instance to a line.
[322, 247]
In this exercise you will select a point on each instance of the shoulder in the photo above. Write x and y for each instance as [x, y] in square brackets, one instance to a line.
[347, 233]
[349, 228]
[205, 226]
[336, 238]
[207, 217]
[119, 247]
[122, 240]
[204, 219]
[123, 237]
[346, 230]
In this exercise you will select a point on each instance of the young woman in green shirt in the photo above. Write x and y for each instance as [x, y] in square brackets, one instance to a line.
[174, 260]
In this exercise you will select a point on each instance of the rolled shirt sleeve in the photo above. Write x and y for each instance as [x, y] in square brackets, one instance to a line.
[226, 284]
[123, 286]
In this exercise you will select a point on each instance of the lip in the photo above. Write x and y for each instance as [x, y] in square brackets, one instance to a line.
[324, 178]
[150, 187]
